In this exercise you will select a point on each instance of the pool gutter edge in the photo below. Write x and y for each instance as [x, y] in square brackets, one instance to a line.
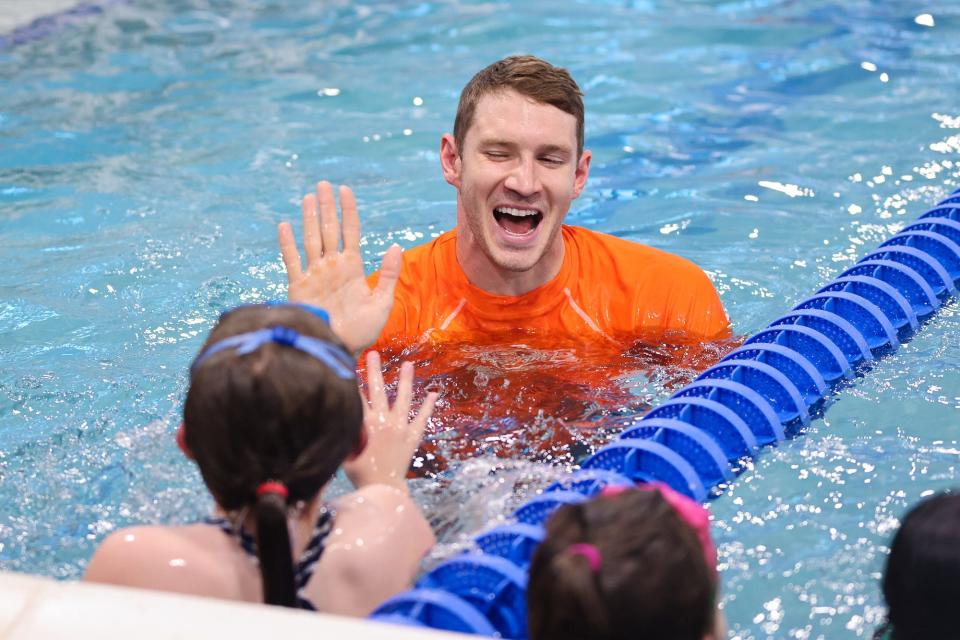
[38, 608]
[20, 25]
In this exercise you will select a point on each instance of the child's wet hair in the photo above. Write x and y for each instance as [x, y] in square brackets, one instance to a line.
[274, 414]
[921, 582]
[652, 581]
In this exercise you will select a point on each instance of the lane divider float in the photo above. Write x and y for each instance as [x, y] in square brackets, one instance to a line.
[697, 441]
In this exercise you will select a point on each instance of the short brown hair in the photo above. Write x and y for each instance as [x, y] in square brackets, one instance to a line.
[529, 76]
[652, 582]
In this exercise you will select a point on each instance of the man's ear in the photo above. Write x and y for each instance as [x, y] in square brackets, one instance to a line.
[361, 444]
[182, 442]
[450, 160]
[581, 173]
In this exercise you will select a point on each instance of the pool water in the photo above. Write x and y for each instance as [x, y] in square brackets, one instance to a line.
[147, 153]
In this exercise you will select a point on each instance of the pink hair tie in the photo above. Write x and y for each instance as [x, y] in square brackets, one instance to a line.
[690, 511]
[614, 490]
[588, 551]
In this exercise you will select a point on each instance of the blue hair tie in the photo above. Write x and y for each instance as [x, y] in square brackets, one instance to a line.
[330, 354]
[317, 311]
[309, 308]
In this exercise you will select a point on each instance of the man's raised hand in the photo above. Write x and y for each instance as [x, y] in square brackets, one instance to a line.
[333, 278]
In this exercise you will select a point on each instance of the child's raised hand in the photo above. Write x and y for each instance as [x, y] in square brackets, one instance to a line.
[392, 438]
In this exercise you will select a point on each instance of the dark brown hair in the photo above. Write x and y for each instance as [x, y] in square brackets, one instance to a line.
[921, 582]
[653, 582]
[273, 414]
[529, 76]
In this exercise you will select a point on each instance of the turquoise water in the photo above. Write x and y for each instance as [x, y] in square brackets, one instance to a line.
[147, 154]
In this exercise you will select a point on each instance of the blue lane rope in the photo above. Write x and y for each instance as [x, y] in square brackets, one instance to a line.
[758, 394]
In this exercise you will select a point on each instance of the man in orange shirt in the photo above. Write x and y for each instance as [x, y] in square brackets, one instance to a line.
[517, 160]
[511, 272]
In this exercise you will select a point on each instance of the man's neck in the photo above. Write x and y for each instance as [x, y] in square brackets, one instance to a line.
[486, 275]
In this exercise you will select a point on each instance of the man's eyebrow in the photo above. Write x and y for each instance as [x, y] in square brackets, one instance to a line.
[495, 142]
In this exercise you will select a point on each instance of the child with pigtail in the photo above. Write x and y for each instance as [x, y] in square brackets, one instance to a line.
[272, 412]
[628, 564]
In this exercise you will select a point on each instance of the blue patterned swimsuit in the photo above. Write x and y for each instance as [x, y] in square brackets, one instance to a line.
[303, 569]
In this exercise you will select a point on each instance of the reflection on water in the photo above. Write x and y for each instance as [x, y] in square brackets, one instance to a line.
[148, 154]
[533, 397]
[516, 412]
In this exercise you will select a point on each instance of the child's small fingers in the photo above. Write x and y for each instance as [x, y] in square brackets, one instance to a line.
[377, 397]
[426, 409]
[404, 389]
[419, 423]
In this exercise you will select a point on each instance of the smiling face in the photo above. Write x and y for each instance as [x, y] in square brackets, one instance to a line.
[516, 175]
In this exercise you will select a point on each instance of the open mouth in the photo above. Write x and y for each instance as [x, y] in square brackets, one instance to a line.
[517, 222]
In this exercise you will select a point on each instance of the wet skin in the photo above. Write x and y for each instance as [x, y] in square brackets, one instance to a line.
[515, 176]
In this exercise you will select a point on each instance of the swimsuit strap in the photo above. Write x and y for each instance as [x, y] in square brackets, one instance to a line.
[303, 570]
[245, 540]
[305, 565]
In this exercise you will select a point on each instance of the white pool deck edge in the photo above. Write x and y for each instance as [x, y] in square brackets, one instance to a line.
[43, 609]
[20, 13]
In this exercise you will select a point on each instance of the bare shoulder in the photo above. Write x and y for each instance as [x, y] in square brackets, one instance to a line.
[374, 495]
[190, 559]
[374, 551]
[128, 551]
[379, 508]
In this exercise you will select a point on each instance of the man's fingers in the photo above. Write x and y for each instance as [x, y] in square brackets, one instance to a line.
[377, 397]
[389, 272]
[288, 249]
[329, 227]
[351, 220]
[311, 230]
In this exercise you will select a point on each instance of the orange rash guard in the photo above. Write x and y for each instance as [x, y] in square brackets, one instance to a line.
[538, 375]
[608, 289]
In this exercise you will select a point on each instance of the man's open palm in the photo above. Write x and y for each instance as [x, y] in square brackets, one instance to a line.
[333, 278]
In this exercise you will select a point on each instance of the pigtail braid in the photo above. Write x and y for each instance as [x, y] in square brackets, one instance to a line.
[273, 550]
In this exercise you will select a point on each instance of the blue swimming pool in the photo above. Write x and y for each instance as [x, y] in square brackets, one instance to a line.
[147, 153]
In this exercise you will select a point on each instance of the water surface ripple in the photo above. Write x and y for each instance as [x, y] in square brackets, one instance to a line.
[147, 153]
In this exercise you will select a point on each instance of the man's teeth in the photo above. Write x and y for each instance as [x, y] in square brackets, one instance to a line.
[517, 212]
